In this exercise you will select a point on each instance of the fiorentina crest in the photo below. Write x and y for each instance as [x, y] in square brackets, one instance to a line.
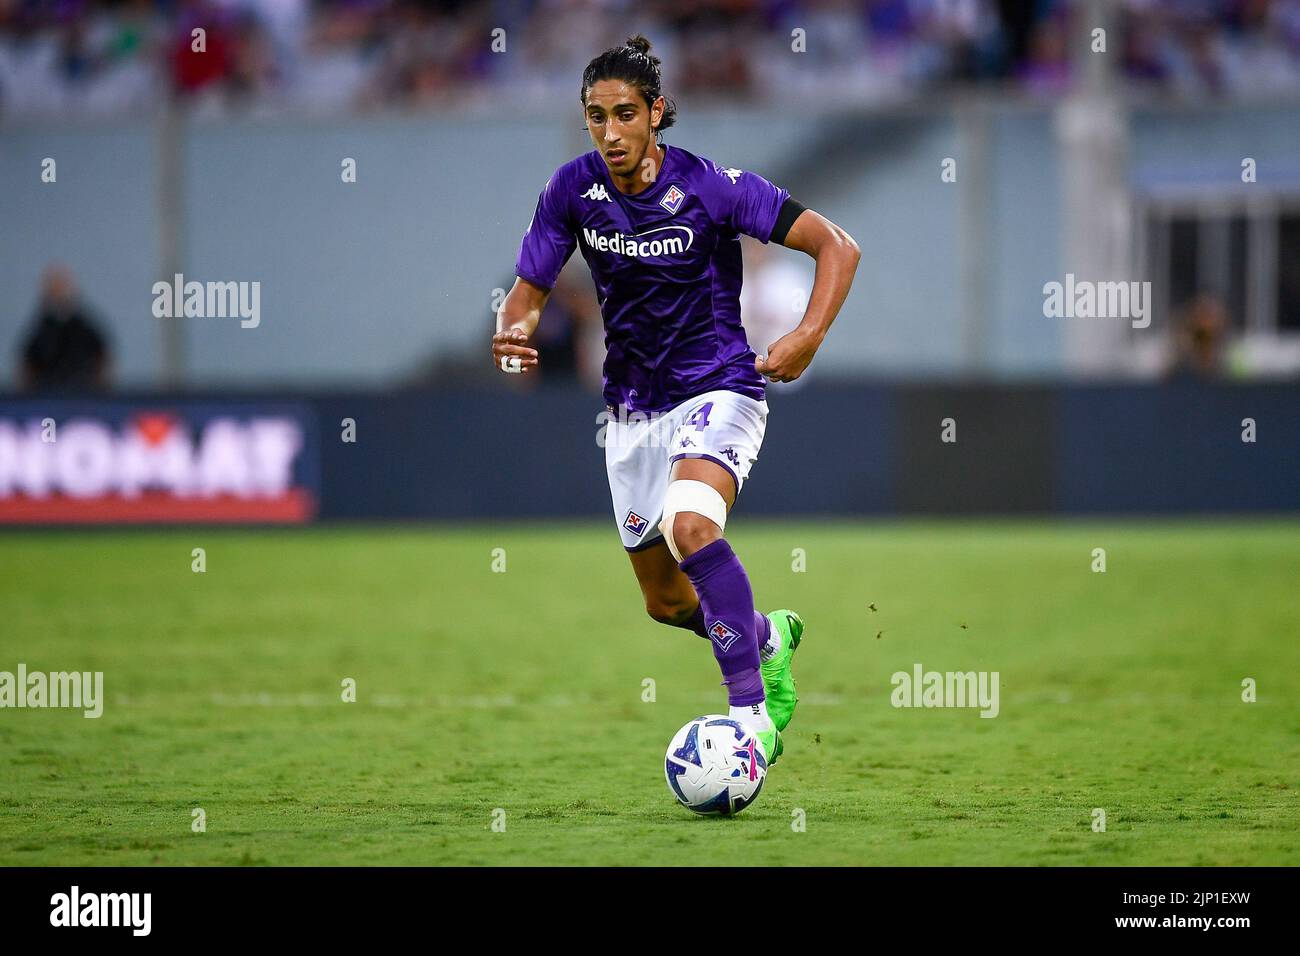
[635, 523]
[672, 200]
[722, 635]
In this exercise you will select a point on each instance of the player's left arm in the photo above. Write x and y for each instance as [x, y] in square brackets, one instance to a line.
[837, 258]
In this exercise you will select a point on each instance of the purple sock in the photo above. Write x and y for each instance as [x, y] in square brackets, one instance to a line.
[762, 626]
[727, 610]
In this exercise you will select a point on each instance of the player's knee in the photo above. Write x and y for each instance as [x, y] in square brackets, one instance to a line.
[694, 515]
[693, 531]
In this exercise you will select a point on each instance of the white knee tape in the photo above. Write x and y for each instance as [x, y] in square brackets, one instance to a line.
[695, 496]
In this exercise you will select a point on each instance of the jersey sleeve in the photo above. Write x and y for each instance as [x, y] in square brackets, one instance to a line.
[750, 204]
[549, 239]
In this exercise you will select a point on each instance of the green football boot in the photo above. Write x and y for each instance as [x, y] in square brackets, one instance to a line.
[778, 680]
[772, 744]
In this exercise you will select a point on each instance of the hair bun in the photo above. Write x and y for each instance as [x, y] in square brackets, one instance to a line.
[639, 43]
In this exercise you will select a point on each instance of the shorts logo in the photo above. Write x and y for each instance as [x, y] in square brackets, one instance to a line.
[731, 456]
[635, 523]
[672, 200]
[722, 635]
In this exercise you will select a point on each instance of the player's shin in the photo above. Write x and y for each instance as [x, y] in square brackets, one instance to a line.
[729, 620]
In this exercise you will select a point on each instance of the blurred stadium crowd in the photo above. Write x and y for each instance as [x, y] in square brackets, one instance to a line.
[110, 57]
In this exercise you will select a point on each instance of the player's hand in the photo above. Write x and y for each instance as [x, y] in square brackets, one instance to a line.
[510, 351]
[787, 357]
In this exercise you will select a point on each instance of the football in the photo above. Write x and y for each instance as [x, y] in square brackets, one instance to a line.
[715, 766]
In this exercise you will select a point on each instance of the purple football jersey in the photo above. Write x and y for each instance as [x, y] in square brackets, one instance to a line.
[667, 268]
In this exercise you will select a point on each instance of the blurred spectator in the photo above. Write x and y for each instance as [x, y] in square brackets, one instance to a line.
[112, 56]
[199, 62]
[560, 339]
[1046, 69]
[65, 349]
[773, 298]
[569, 340]
[570, 333]
[1199, 339]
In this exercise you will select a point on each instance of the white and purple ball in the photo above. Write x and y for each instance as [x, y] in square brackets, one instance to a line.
[715, 765]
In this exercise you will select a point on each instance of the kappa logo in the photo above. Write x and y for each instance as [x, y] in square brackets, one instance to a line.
[597, 191]
[635, 523]
[731, 455]
[672, 200]
[733, 174]
[722, 635]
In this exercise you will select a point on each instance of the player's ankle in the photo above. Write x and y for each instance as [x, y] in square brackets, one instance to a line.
[753, 714]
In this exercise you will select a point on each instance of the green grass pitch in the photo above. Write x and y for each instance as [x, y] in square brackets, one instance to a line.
[522, 690]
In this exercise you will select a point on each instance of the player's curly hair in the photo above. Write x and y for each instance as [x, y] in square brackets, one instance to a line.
[631, 63]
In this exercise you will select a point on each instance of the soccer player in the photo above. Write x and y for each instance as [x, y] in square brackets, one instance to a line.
[660, 230]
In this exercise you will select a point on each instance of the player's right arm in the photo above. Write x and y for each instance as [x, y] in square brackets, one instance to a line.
[548, 242]
[516, 322]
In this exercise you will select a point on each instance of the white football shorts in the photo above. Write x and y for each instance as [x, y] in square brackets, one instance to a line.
[723, 426]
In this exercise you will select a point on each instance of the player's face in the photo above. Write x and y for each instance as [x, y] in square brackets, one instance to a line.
[621, 125]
